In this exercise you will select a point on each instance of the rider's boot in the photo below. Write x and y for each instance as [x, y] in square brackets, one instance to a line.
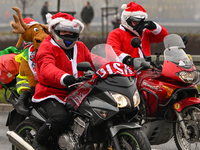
[20, 104]
[38, 146]
[42, 136]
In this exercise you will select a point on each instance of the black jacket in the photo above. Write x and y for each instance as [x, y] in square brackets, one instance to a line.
[44, 11]
[87, 14]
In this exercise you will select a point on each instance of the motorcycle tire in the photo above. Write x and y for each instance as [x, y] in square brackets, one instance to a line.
[27, 130]
[193, 126]
[129, 139]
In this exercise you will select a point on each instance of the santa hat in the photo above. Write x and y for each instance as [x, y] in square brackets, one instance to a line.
[64, 18]
[135, 10]
[29, 21]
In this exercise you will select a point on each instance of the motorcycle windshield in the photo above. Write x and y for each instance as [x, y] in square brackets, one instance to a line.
[102, 54]
[174, 52]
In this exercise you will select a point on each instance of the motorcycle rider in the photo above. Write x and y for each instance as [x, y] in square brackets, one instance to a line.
[56, 61]
[134, 24]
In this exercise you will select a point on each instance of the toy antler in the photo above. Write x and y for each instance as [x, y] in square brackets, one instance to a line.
[19, 25]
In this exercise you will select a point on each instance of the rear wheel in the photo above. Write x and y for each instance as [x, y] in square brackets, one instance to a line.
[191, 117]
[27, 130]
[129, 140]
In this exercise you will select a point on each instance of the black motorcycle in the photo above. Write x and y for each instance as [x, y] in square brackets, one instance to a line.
[105, 109]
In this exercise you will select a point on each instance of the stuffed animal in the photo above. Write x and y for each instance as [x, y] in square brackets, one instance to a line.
[34, 33]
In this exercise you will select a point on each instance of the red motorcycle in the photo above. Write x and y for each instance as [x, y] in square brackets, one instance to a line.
[170, 105]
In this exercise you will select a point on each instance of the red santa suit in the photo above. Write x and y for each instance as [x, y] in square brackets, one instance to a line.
[52, 65]
[120, 38]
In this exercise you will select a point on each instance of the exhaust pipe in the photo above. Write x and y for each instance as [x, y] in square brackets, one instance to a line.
[17, 141]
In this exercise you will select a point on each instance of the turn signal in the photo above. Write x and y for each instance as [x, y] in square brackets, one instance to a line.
[169, 91]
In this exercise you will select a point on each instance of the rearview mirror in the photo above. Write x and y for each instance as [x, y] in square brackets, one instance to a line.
[185, 39]
[84, 66]
[136, 42]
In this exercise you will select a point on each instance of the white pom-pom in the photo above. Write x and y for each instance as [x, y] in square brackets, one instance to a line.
[48, 16]
[124, 6]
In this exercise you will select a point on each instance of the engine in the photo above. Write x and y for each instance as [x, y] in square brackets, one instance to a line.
[70, 140]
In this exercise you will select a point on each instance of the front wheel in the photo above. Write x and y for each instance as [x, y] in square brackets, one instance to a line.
[27, 130]
[191, 119]
[134, 139]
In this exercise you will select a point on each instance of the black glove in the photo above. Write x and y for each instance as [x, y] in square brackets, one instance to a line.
[144, 24]
[128, 60]
[69, 79]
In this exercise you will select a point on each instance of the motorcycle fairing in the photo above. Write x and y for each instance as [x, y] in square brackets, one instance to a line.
[168, 66]
[88, 108]
[128, 125]
[179, 106]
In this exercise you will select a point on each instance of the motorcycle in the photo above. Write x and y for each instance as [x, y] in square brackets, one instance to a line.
[105, 109]
[169, 96]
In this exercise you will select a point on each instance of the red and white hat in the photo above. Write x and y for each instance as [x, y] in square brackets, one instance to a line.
[132, 10]
[135, 10]
[29, 21]
[63, 19]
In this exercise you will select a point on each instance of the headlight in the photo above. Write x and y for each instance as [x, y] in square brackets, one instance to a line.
[188, 77]
[121, 100]
[136, 98]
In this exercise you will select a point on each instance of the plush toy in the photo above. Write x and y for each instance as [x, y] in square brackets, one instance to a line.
[35, 33]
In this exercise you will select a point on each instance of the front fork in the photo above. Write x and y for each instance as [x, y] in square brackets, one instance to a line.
[114, 137]
[178, 108]
[180, 118]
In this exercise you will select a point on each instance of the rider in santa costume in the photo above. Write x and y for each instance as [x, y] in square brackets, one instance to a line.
[134, 24]
[58, 57]
[56, 62]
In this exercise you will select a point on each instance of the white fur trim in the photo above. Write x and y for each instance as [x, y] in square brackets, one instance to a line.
[74, 62]
[157, 30]
[62, 78]
[81, 24]
[124, 6]
[122, 56]
[54, 22]
[68, 22]
[49, 17]
[44, 98]
[54, 43]
[122, 28]
[33, 22]
[137, 14]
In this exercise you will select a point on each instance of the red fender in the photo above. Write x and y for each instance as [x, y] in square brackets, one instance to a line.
[179, 106]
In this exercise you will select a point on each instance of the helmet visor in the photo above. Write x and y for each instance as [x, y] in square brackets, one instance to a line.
[135, 19]
[74, 29]
[67, 37]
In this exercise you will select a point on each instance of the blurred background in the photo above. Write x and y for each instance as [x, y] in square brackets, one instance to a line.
[177, 16]
[165, 11]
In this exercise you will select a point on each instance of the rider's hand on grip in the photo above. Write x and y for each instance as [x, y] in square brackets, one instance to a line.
[144, 24]
[69, 79]
[80, 79]
[128, 61]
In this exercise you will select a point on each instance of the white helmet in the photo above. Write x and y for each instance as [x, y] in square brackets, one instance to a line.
[64, 22]
[132, 12]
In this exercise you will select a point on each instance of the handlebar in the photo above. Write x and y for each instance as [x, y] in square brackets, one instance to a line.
[80, 81]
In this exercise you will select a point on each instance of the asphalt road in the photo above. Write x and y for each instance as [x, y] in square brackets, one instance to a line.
[6, 145]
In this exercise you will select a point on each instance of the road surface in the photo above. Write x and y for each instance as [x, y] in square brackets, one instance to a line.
[5, 144]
